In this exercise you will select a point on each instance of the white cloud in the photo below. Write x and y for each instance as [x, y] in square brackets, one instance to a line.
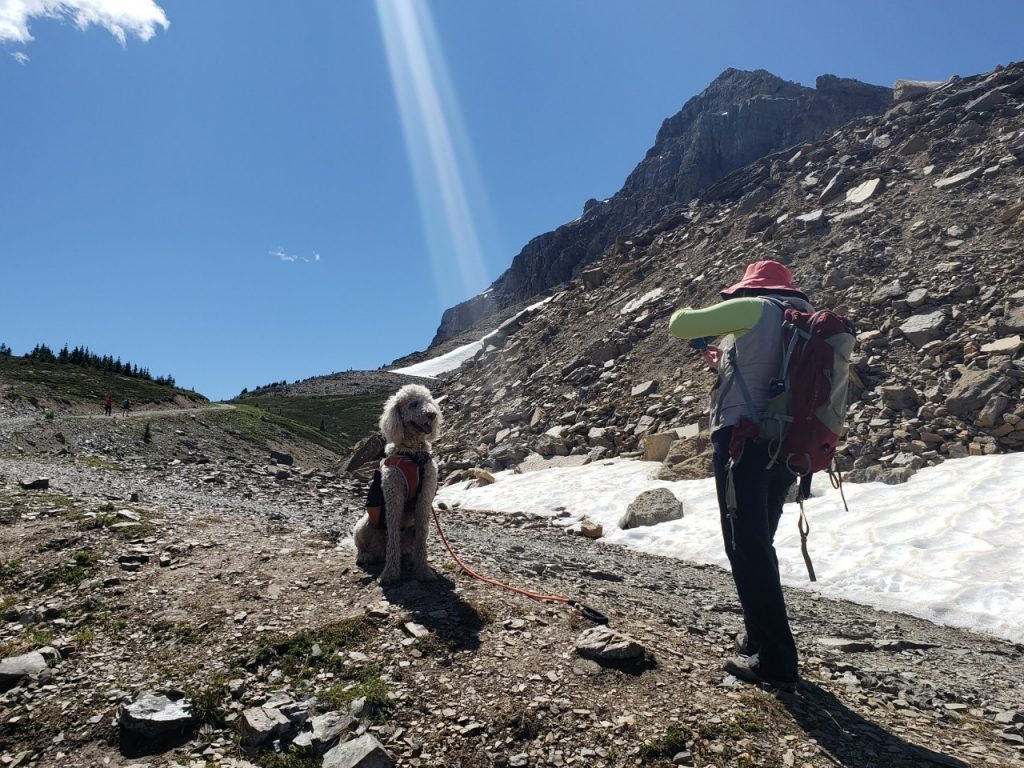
[280, 253]
[21, 58]
[283, 255]
[119, 17]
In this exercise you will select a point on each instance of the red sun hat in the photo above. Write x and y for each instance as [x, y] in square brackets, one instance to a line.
[767, 276]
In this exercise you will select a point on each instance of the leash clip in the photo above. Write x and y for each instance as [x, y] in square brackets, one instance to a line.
[590, 613]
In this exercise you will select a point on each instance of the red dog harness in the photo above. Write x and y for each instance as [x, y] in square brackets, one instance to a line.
[411, 468]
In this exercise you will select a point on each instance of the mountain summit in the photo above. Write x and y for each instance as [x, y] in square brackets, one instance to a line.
[740, 117]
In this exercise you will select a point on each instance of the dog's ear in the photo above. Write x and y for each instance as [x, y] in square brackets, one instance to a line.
[438, 421]
[391, 421]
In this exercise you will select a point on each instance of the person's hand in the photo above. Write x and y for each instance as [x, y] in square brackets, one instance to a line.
[712, 356]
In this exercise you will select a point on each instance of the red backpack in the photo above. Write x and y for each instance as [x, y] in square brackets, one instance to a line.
[804, 417]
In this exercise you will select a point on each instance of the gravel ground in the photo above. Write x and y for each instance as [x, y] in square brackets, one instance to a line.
[236, 555]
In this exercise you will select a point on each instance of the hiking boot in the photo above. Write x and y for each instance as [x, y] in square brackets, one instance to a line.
[748, 669]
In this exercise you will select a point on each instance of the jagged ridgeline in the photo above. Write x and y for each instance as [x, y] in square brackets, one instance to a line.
[739, 118]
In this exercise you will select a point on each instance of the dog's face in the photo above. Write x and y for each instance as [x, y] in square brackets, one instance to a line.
[411, 418]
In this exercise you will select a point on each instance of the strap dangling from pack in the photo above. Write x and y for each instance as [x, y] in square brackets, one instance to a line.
[730, 501]
[805, 528]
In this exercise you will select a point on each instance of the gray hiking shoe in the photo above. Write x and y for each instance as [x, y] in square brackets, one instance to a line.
[748, 669]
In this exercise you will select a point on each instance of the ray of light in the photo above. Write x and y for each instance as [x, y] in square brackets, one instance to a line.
[438, 149]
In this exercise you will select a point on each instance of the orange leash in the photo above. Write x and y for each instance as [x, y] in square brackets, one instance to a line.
[588, 612]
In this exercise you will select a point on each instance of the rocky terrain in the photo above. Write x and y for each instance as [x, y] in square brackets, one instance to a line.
[178, 587]
[193, 601]
[739, 118]
[909, 223]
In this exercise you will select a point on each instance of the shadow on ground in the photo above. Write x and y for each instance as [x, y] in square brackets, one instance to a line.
[435, 605]
[850, 738]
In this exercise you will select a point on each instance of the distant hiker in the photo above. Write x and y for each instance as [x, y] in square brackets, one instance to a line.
[125, 407]
[746, 362]
[108, 406]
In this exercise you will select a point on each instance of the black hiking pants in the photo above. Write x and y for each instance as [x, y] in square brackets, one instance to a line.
[749, 535]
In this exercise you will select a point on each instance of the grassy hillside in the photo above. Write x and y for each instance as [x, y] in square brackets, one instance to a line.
[72, 385]
[345, 419]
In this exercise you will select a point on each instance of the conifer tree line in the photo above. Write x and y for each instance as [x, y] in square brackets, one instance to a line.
[81, 356]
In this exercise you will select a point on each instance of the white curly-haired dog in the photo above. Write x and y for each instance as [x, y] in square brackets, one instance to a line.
[410, 422]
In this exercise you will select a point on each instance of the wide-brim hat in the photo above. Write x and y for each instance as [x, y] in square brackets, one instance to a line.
[767, 276]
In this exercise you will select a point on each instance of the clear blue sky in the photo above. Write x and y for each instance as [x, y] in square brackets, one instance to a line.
[240, 198]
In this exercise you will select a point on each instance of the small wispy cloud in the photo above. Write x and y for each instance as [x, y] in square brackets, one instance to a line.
[120, 18]
[283, 255]
[21, 58]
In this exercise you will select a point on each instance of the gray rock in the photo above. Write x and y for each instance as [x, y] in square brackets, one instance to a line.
[993, 409]
[902, 90]
[281, 458]
[951, 182]
[591, 530]
[987, 102]
[656, 446]
[642, 390]
[368, 449]
[607, 644]
[323, 730]
[261, 725]
[899, 398]
[657, 505]
[925, 327]
[836, 186]
[15, 668]
[973, 389]
[363, 752]
[154, 714]
[887, 293]
[863, 192]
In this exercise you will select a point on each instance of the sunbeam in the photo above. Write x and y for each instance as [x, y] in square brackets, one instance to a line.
[438, 149]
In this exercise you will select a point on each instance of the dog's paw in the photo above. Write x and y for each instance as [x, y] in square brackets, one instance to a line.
[426, 573]
[389, 576]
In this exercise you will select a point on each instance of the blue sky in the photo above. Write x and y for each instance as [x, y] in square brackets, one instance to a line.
[264, 190]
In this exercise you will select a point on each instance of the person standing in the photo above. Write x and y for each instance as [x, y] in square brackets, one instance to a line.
[108, 406]
[751, 488]
[125, 407]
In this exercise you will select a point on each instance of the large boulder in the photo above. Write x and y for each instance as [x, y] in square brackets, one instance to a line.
[16, 668]
[368, 449]
[658, 505]
[902, 90]
[154, 714]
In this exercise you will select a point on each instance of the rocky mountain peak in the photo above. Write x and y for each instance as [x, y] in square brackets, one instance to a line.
[740, 117]
[909, 223]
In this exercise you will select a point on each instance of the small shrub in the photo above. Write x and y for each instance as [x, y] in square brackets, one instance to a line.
[673, 742]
